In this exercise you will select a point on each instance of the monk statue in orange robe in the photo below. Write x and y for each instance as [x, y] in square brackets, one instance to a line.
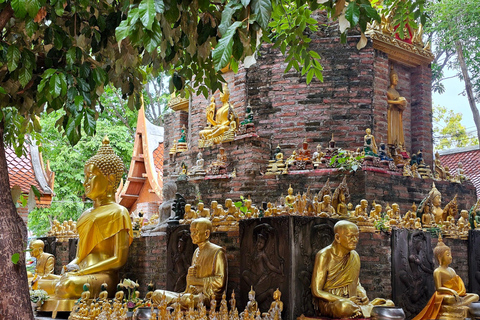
[450, 300]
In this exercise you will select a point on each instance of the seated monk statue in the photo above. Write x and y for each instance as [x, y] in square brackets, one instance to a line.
[336, 288]
[450, 300]
[44, 269]
[207, 275]
[105, 234]
[325, 207]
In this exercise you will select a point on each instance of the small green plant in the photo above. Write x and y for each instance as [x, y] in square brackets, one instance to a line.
[241, 205]
[345, 161]
[381, 224]
[38, 296]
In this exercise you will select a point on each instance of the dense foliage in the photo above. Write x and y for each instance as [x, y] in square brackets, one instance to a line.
[448, 131]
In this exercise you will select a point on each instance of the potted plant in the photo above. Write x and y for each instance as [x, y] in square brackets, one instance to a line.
[38, 297]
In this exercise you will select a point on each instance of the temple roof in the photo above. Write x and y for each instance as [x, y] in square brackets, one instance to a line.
[29, 170]
[144, 182]
[469, 157]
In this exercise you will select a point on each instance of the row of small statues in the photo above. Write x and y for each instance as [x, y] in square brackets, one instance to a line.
[63, 231]
[102, 308]
[218, 166]
[323, 204]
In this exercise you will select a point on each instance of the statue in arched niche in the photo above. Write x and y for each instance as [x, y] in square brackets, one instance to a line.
[396, 105]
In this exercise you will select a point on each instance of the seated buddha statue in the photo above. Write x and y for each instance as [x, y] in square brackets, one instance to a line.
[105, 234]
[369, 145]
[290, 198]
[206, 276]
[198, 168]
[439, 169]
[189, 216]
[43, 277]
[336, 287]
[220, 127]
[325, 207]
[450, 300]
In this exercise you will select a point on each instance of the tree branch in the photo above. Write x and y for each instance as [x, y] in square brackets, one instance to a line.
[125, 122]
[5, 15]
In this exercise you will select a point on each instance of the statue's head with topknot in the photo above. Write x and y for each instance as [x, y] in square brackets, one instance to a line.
[107, 162]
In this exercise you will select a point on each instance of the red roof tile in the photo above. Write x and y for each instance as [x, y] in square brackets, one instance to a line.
[20, 170]
[469, 157]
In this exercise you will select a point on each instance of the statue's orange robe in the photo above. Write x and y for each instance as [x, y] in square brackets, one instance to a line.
[433, 306]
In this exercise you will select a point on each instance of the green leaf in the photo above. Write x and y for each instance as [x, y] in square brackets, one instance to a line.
[223, 50]
[310, 75]
[32, 7]
[79, 102]
[353, 13]
[36, 192]
[15, 258]
[99, 76]
[89, 123]
[227, 14]
[63, 83]
[13, 57]
[122, 31]
[55, 85]
[71, 55]
[30, 27]
[18, 7]
[147, 13]
[245, 3]
[314, 54]
[371, 12]
[159, 6]
[263, 10]
[24, 76]
[2, 91]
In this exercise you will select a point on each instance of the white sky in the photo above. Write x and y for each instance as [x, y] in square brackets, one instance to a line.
[453, 99]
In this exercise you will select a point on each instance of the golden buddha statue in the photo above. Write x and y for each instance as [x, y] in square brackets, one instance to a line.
[318, 157]
[396, 105]
[43, 277]
[340, 197]
[276, 165]
[439, 169]
[222, 123]
[376, 213]
[105, 234]
[450, 300]
[206, 276]
[361, 209]
[189, 215]
[325, 208]
[290, 198]
[335, 284]
[431, 204]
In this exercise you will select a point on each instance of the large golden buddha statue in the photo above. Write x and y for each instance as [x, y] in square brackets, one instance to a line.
[105, 234]
[222, 123]
[450, 300]
[335, 284]
[207, 276]
[396, 105]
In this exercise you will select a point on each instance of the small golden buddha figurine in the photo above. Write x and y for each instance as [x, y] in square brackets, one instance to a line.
[276, 303]
[252, 305]
[290, 198]
[173, 150]
[376, 213]
[394, 214]
[431, 204]
[189, 216]
[207, 275]
[220, 165]
[364, 222]
[396, 105]
[325, 207]
[318, 157]
[369, 144]
[450, 300]
[336, 288]
[412, 213]
[290, 161]
[361, 209]
[105, 234]
[340, 197]
[43, 277]
[222, 123]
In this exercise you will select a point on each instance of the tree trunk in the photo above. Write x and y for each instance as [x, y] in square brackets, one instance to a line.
[468, 86]
[15, 297]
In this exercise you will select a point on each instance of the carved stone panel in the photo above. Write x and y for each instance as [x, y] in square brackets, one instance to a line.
[474, 261]
[279, 252]
[179, 256]
[50, 244]
[412, 270]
